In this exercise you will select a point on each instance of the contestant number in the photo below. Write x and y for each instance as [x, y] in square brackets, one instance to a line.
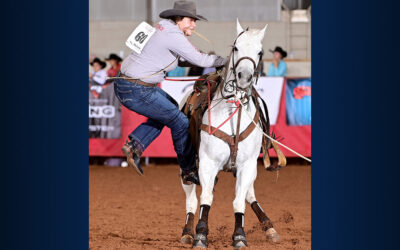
[141, 37]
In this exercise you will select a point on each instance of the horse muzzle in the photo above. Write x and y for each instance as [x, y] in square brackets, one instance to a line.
[244, 78]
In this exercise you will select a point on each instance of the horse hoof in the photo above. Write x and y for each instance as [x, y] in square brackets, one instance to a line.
[239, 241]
[239, 244]
[200, 240]
[272, 235]
[187, 239]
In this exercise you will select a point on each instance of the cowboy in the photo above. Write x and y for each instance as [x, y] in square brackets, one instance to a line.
[115, 62]
[278, 66]
[98, 75]
[138, 92]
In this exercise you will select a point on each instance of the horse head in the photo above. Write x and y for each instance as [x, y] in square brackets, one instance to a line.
[246, 55]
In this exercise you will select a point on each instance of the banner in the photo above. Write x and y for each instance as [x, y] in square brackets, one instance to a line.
[272, 90]
[298, 101]
[104, 112]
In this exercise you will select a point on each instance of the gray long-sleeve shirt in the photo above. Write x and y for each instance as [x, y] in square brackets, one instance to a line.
[166, 44]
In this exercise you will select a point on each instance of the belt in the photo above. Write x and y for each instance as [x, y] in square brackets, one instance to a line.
[138, 81]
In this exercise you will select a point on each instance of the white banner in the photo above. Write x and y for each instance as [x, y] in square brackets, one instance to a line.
[269, 88]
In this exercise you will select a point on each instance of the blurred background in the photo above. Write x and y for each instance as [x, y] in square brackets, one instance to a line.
[289, 26]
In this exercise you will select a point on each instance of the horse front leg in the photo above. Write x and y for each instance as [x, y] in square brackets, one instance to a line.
[246, 176]
[207, 172]
[265, 222]
[191, 206]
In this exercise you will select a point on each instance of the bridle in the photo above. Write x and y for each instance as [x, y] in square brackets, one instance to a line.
[231, 86]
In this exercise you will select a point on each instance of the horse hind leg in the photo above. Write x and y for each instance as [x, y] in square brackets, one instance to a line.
[265, 222]
[191, 206]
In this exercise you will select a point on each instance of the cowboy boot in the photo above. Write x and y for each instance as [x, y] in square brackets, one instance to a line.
[133, 152]
[190, 177]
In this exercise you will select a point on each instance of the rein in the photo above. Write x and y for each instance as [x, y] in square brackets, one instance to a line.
[231, 86]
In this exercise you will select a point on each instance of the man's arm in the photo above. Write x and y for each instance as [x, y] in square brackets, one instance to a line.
[181, 46]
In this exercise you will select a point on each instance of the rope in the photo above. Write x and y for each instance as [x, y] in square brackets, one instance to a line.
[269, 137]
[209, 112]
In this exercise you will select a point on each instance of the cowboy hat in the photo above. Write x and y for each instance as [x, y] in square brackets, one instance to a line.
[280, 50]
[113, 56]
[97, 60]
[183, 8]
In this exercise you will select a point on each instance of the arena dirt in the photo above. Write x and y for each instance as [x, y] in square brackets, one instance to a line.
[127, 211]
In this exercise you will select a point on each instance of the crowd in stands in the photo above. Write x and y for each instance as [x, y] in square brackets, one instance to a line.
[99, 74]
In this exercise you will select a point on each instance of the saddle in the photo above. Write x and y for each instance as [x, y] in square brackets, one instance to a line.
[196, 105]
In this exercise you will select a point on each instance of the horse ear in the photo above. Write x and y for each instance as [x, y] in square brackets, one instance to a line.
[262, 32]
[239, 28]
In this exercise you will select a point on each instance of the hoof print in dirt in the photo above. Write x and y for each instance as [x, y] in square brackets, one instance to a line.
[287, 217]
[272, 235]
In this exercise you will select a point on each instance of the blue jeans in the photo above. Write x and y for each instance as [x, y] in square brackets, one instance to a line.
[161, 110]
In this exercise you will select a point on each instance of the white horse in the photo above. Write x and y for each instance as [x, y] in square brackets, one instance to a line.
[215, 154]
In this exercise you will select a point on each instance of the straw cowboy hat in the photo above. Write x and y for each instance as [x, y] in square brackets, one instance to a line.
[280, 50]
[183, 8]
[97, 60]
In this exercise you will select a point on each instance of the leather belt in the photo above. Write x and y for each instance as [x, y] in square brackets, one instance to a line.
[137, 81]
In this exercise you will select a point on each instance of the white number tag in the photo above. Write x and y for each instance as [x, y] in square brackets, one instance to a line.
[140, 36]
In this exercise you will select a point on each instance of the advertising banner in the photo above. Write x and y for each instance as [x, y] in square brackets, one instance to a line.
[298, 101]
[104, 112]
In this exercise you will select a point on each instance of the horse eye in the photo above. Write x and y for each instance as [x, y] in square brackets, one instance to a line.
[261, 53]
[235, 48]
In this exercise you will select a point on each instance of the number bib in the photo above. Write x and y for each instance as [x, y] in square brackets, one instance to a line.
[140, 36]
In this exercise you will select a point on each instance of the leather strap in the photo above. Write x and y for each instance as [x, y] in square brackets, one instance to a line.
[235, 145]
[233, 141]
[137, 81]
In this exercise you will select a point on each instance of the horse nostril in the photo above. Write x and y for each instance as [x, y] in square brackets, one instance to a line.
[240, 75]
[250, 77]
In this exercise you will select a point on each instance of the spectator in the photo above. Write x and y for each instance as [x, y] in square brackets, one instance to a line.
[278, 66]
[115, 62]
[98, 75]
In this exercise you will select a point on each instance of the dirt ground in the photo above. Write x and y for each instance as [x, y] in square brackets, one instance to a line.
[127, 211]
